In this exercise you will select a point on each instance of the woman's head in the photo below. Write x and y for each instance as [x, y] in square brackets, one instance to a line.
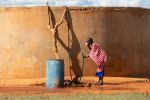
[89, 42]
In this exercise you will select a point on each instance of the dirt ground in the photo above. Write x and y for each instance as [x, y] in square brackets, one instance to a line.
[111, 85]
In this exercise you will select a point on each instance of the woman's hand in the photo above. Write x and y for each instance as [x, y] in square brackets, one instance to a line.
[85, 56]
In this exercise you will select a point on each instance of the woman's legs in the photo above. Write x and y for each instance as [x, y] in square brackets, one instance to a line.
[100, 74]
[100, 81]
[103, 75]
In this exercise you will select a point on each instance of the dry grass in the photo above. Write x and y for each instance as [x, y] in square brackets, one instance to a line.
[124, 96]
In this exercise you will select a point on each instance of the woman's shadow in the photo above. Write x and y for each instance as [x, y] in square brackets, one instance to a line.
[74, 48]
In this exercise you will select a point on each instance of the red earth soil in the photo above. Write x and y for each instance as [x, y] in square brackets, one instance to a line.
[111, 85]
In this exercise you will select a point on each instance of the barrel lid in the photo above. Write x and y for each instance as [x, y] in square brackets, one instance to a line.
[57, 59]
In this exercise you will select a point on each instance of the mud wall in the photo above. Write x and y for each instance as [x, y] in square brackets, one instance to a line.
[25, 43]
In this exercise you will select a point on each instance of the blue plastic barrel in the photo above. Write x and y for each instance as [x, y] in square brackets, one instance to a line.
[55, 73]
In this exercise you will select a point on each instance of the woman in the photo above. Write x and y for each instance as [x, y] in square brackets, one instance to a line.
[99, 56]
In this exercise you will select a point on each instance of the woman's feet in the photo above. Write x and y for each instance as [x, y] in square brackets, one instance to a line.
[99, 83]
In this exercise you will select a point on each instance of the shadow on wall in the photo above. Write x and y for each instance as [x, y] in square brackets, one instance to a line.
[74, 48]
[126, 42]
